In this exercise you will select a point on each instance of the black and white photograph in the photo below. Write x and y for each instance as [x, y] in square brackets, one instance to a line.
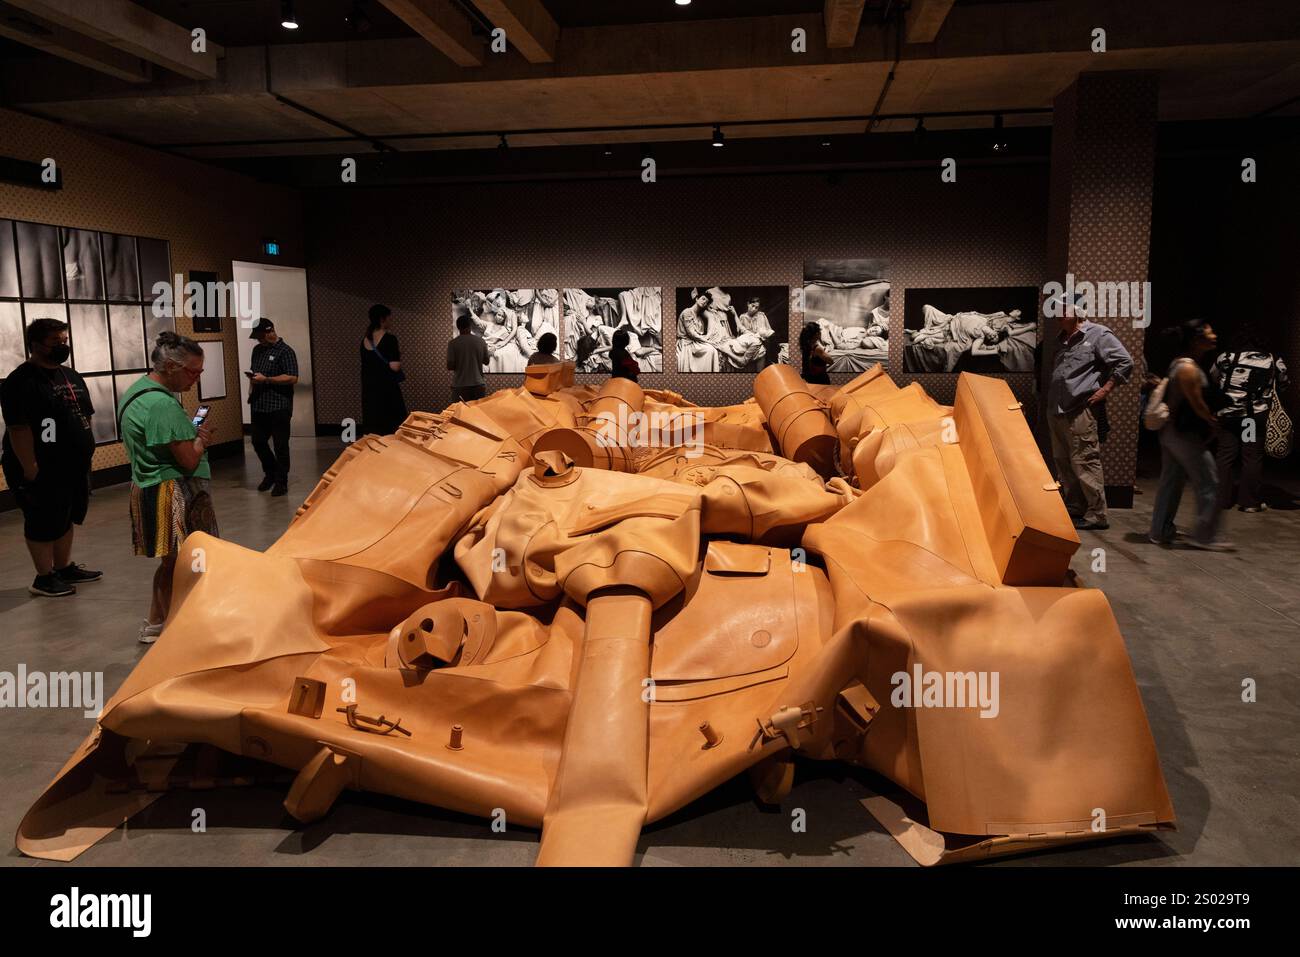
[44, 310]
[104, 422]
[592, 316]
[155, 267]
[848, 299]
[81, 268]
[212, 383]
[989, 330]
[40, 261]
[88, 331]
[510, 321]
[121, 277]
[8, 261]
[13, 350]
[128, 337]
[725, 328]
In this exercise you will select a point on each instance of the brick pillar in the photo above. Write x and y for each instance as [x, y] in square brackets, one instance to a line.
[1099, 226]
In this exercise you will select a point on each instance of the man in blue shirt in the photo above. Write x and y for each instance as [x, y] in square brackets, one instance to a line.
[1090, 362]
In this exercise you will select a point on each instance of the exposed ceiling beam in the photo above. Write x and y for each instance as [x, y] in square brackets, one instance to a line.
[443, 26]
[48, 37]
[529, 27]
[842, 19]
[925, 18]
[131, 29]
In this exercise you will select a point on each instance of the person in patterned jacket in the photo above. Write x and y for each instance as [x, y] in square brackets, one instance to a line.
[1250, 380]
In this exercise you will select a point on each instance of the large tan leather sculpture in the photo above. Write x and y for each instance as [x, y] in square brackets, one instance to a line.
[502, 611]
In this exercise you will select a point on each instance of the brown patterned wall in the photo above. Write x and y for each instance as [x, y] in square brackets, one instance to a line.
[410, 248]
[210, 217]
[1103, 168]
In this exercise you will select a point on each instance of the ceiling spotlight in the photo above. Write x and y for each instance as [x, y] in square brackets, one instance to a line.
[683, 3]
[504, 144]
[287, 18]
[826, 142]
[718, 138]
[609, 151]
[1000, 145]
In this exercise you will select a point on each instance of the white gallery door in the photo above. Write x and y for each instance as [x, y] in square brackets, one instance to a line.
[284, 302]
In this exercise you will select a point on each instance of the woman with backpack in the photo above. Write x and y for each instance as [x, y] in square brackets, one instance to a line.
[1185, 437]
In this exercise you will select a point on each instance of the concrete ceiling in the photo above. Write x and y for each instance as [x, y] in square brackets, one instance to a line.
[332, 90]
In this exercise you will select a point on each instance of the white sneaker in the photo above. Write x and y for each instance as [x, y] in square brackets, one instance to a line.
[149, 632]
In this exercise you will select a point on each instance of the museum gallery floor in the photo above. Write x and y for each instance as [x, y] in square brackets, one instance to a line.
[580, 610]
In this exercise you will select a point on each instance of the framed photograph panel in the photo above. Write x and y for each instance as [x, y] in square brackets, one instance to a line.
[991, 330]
[212, 384]
[731, 328]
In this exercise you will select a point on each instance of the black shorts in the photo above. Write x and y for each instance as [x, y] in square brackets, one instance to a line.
[52, 504]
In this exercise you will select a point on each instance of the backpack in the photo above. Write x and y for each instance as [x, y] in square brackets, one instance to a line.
[1156, 415]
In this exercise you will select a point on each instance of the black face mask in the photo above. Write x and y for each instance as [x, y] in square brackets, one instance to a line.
[58, 354]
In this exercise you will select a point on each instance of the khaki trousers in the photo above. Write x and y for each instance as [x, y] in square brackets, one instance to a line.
[1077, 452]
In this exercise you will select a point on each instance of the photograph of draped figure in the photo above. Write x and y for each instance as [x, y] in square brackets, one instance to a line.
[731, 328]
[987, 330]
[849, 300]
[509, 320]
[592, 316]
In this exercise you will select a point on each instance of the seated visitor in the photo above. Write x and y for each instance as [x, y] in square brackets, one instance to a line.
[545, 354]
[816, 363]
[622, 364]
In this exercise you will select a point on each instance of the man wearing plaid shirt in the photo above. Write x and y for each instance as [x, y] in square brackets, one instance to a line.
[274, 370]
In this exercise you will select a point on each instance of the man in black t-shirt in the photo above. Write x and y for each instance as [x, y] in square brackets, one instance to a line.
[274, 368]
[46, 455]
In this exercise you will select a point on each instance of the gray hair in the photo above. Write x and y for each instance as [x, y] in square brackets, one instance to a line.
[172, 347]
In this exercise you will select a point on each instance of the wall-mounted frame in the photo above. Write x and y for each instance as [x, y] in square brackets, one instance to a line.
[212, 384]
[593, 314]
[510, 321]
[101, 284]
[991, 330]
[201, 320]
[848, 300]
[731, 328]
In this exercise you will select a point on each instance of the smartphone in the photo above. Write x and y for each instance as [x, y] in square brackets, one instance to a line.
[201, 415]
[250, 374]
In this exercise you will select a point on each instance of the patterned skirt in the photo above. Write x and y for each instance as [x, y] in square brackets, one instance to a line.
[163, 514]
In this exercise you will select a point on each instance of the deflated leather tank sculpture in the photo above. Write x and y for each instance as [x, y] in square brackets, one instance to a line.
[587, 609]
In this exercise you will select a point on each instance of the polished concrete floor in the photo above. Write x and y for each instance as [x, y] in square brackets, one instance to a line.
[1197, 624]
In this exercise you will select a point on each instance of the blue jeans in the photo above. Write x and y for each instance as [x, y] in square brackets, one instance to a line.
[1183, 457]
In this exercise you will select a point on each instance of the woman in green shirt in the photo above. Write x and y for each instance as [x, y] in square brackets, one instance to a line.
[169, 466]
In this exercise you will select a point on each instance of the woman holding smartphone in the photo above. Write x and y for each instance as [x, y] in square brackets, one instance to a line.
[169, 466]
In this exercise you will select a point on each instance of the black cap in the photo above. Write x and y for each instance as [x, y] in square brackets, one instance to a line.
[266, 325]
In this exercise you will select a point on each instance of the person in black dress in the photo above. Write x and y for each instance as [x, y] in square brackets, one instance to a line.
[622, 365]
[816, 363]
[382, 407]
